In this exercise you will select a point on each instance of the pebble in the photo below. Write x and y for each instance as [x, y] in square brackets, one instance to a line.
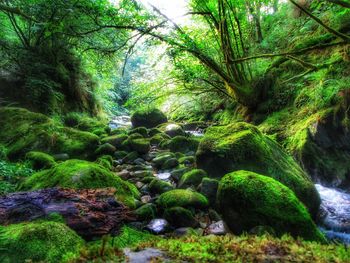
[158, 226]
[217, 228]
[146, 199]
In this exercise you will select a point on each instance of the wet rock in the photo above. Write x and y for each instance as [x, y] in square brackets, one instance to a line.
[217, 228]
[144, 256]
[178, 173]
[105, 149]
[146, 199]
[139, 185]
[180, 217]
[158, 226]
[173, 130]
[142, 173]
[162, 158]
[146, 212]
[209, 188]
[139, 161]
[163, 176]
[130, 157]
[158, 186]
[170, 163]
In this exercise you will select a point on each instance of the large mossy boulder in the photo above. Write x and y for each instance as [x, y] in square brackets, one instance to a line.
[38, 242]
[23, 131]
[182, 198]
[242, 146]
[148, 118]
[247, 200]
[77, 174]
[181, 144]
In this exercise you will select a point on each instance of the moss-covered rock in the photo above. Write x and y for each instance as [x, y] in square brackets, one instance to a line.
[141, 146]
[158, 186]
[178, 173]
[115, 140]
[140, 130]
[120, 154]
[84, 122]
[158, 138]
[130, 157]
[180, 217]
[187, 160]
[242, 146]
[181, 144]
[105, 149]
[162, 158]
[40, 160]
[192, 178]
[154, 131]
[247, 200]
[38, 242]
[106, 161]
[148, 118]
[79, 174]
[172, 129]
[23, 131]
[170, 163]
[146, 212]
[182, 198]
[209, 188]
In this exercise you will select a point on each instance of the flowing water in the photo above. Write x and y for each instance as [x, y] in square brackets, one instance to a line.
[335, 208]
[120, 122]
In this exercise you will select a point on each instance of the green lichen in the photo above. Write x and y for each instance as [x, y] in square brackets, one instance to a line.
[192, 178]
[182, 198]
[40, 160]
[242, 146]
[247, 200]
[79, 174]
[38, 242]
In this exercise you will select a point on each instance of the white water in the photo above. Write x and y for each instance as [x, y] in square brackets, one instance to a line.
[336, 209]
[120, 122]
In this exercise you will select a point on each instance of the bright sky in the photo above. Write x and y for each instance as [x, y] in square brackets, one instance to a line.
[171, 8]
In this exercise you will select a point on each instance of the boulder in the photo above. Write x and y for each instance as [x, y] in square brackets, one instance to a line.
[148, 118]
[158, 186]
[146, 212]
[182, 198]
[78, 174]
[180, 144]
[38, 242]
[180, 217]
[209, 188]
[192, 178]
[242, 146]
[247, 200]
[105, 149]
[40, 160]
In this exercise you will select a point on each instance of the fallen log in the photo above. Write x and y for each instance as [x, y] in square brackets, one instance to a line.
[91, 213]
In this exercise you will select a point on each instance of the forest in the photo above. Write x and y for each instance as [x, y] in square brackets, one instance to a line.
[174, 131]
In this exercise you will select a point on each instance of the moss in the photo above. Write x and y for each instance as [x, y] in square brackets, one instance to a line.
[192, 178]
[187, 160]
[178, 173]
[172, 129]
[106, 161]
[130, 157]
[170, 163]
[158, 186]
[84, 122]
[146, 212]
[40, 160]
[247, 200]
[140, 130]
[105, 149]
[246, 248]
[162, 158]
[181, 144]
[242, 146]
[182, 198]
[79, 174]
[158, 138]
[115, 140]
[154, 131]
[180, 217]
[209, 188]
[3, 152]
[38, 241]
[24, 131]
[141, 146]
[148, 118]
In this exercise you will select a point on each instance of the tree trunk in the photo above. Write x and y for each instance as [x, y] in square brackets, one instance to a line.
[91, 213]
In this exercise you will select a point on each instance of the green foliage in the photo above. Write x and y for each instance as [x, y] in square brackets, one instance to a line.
[38, 241]
[247, 200]
[79, 174]
[246, 248]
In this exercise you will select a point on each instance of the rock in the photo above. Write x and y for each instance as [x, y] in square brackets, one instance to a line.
[247, 199]
[158, 138]
[154, 131]
[180, 217]
[120, 154]
[23, 131]
[148, 118]
[106, 161]
[182, 198]
[146, 199]
[105, 149]
[159, 186]
[139, 161]
[146, 212]
[180, 144]
[178, 173]
[38, 242]
[140, 130]
[162, 158]
[131, 157]
[61, 157]
[139, 185]
[183, 231]
[141, 146]
[115, 140]
[209, 188]
[173, 130]
[142, 173]
[262, 230]
[239, 146]
[40, 160]
[187, 160]
[214, 216]
[144, 256]
[78, 174]
[163, 176]
[170, 163]
[192, 178]
[91, 213]
[217, 228]
[158, 226]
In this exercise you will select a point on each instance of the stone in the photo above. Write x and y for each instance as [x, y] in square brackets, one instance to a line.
[158, 226]
[218, 228]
